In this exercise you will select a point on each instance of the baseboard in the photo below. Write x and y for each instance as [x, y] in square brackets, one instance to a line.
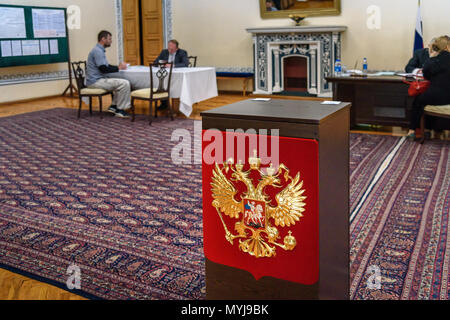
[2, 104]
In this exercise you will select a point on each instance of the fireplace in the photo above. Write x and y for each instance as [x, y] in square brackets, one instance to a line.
[295, 59]
[295, 74]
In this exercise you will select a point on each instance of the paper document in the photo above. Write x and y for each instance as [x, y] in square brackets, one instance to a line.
[49, 23]
[383, 73]
[16, 47]
[6, 49]
[30, 48]
[45, 49]
[332, 102]
[262, 99]
[54, 47]
[12, 23]
[406, 74]
[354, 71]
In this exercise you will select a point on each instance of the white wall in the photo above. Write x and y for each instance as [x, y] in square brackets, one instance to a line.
[95, 16]
[215, 29]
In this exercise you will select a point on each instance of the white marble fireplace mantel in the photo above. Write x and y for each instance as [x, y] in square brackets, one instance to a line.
[320, 45]
[300, 29]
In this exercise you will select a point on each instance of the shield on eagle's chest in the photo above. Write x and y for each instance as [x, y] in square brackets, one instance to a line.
[255, 213]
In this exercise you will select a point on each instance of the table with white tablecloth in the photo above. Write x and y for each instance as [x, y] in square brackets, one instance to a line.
[190, 85]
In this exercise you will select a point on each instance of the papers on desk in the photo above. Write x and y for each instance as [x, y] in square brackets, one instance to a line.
[331, 102]
[381, 74]
[408, 75]
[262, 99]
[354, 71]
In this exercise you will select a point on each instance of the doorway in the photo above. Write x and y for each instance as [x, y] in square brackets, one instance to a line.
[143, 35]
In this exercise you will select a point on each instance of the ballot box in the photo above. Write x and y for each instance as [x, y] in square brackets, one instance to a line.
[276, 200]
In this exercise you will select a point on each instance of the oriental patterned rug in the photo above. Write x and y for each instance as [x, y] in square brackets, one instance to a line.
[399, 233]
[104, 196]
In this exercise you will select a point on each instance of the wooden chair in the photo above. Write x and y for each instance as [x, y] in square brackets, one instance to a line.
[433, 111]
[192, 61]
[152, 94]
[79, 70]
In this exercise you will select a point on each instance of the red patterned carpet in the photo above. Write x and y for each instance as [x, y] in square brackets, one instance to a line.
[105, 196]
[400, 194]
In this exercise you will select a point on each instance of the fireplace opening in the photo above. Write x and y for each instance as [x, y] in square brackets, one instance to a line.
[295, 74]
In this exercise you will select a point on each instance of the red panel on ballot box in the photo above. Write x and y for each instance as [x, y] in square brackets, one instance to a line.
[260, 204]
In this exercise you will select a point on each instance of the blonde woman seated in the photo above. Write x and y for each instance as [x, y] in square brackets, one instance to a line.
[437, 71]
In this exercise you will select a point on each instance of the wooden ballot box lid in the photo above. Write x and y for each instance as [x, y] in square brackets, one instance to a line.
[294, 111]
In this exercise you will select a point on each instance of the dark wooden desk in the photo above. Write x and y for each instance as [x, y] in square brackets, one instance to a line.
[375, 100]
[329, 125]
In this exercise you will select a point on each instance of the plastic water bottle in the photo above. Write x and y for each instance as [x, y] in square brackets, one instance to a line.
[338, 68]
[365, 66]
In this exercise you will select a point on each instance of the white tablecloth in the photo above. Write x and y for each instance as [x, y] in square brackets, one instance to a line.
[190, 85]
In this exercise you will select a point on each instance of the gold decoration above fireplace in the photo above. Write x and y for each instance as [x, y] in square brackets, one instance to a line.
[284, 8]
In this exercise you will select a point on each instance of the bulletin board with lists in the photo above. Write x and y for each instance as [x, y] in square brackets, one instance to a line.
[32, 35]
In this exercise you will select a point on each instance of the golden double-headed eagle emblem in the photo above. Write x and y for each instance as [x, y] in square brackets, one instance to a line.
[257, 229]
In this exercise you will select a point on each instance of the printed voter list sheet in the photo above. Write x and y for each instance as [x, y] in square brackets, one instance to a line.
[6, 49]
[12, 23]
[54, 47]
[49, 23]
[30, 47]
[16, 47]
[45, 49]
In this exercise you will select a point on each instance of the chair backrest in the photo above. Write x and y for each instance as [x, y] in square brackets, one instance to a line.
[192, 61]
[79, 71]
[160, 71]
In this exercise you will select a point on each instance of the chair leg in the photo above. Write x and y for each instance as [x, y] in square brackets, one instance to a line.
[150, 112]
[133, 112]
[156, 109]
[90, 106]
[79, 106]
[100, 105]
[170, 109]
[422, 129]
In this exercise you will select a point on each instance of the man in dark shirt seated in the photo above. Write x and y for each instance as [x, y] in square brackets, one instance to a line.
[174, 54]
[97, 69]
[415, 65]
